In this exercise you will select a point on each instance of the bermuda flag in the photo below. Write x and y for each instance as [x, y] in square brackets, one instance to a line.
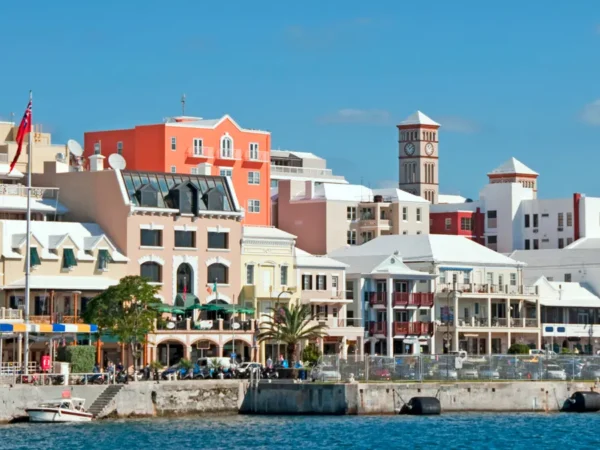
[24, 128]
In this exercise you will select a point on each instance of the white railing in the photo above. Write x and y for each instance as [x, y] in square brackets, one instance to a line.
[11, 314]
[200, 152]
[234, 154]
[301, 171]
[256, 155]
[21, 191]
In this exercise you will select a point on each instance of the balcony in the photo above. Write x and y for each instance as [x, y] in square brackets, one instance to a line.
[285, 172]
[21, 191]
[417, 299]
[497, 322]
[11, 314]
[378, 328]
[56, 318]
[205, 326]
[377, 298]
[228, 155]
[200, 152]
[474, 288]
[256, 156]
[413, 328]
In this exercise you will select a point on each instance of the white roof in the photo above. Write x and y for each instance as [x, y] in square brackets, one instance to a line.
[207, 123]
[398, 195]
[446, 198]
[358, 193]
[557, 258]
[585, 243]
[254, 231]
[305, 259]
[376, 264]
[19, 203]
[65, 282]
[438, 248]
[4, 168]
[419, 118]
[85, 236]
[554, 293]
[453, 207]
[512, 166]
[301, 155]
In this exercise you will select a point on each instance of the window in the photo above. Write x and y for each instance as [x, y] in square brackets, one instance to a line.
[513, 279]
[569, 241]
[151, 238]
[120, 147]
[97, 148]
[418, 232]
[218, 240]
[307, 282]
[104, 259]
[226, 172]
[198, 144]
[405, 232]
[561, 243]
[500, 280]
[569, 219]
[321, 282]
[226, 147]
[476, 308]
[491, 219]
[527, 244]
[218, 273]
[527, 224]
[351, 237]
[535, 221]
[351, 213]
[194, 171]
[253, 152]
[69, 260]
[404, 213]
[536, 244]
[254, 206]
[418, 214]
[173, 169]
[334, 283]
[185, 239]
[490, 278]
[250, 274]
[448, 223]
[173, 143]
[561, 220]
[465, 223]
[253, 177]
[151, 271]
[567, 277]
[492, 242]
[284, 275]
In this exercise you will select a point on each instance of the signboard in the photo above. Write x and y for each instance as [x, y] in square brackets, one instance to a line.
[45, 363]
[66, 393]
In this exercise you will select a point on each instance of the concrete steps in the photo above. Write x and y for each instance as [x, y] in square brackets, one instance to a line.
[104, 399]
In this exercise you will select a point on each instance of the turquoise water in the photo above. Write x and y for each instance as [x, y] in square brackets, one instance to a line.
[449, 431]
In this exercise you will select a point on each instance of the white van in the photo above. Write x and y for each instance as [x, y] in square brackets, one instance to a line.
[210, 363]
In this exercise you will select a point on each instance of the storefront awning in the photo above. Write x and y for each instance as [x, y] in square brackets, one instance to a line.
[186, 301]
[48, 328]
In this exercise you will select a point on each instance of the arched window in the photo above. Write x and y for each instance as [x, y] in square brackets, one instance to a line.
[226, 147]
[218, 273]
[184, 279]
[151, 271]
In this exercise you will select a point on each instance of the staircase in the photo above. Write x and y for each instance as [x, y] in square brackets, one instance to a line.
[98, 407]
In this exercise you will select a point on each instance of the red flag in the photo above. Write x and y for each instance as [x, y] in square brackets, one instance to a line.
[24, 128]
[184, 290]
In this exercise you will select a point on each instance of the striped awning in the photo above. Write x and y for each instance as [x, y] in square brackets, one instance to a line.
[48, 328]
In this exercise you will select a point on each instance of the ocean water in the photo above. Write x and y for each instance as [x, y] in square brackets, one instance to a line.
[448, 431]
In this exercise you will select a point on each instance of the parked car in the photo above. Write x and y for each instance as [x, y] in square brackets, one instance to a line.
[468, 372]
[445, 372]
[405, 372]
[512, 372]
[325, 373]
[590, 372]
[246, 368]
[488, 373]
[554, 372]
[380, 373]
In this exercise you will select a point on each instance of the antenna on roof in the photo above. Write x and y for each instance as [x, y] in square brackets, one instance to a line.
[183, 105]
[75, 152]
[116, 162]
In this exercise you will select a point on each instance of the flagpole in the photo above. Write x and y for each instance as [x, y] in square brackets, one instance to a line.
[28, 245]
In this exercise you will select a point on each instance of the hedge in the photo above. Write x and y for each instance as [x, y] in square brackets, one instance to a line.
[81, 357]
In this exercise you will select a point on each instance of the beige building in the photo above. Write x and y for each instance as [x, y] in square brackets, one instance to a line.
[325, 217]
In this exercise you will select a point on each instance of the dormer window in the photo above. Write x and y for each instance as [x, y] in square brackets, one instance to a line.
[69, 261]
[184, 197]
[147, 196]
[214, 200]
[104, 259]
[34, 257]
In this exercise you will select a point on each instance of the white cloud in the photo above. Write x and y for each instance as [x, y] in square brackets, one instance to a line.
[358, 116]
[591, 113]
[455, 124]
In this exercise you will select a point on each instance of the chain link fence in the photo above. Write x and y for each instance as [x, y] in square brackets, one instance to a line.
[406, 368]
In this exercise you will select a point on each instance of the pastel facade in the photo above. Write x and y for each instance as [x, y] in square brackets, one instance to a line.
[192, 145]
[325, 217]
[301, 166]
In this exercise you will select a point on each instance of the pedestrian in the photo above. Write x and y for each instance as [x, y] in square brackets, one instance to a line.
[269, 363]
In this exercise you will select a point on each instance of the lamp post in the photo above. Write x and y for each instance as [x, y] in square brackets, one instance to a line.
[453, 292]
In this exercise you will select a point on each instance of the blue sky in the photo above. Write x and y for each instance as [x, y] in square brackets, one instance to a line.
[504, 79]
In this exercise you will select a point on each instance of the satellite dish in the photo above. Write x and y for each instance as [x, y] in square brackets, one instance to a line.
[74, 148]
[116, 161]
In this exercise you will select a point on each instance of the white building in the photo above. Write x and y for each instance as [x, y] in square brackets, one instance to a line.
[301, 166]
[481, 303]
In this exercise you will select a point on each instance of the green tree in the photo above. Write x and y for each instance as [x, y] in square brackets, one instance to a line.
[518, 349]
[291, 325]
[125, 311]
[311, 354]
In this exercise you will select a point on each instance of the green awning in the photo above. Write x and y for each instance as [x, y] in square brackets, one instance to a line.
[162, 308]
[34, 257]
[195, 306]
[69, 258]
[189, 301]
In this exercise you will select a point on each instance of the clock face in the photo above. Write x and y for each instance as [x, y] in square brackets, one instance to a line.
[429, 148]
[409, 149]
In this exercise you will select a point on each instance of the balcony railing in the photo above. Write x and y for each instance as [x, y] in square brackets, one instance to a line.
[476, 288]
[56, 318]
[200, 152]
[219, 325]
[336, 322]
[418, 299]
[378, 328]
[11, 314]
[233, 155]
[21, 191]
[256, 156]
[413, 328]
[377, 298]
[497, 322]
[301, 171]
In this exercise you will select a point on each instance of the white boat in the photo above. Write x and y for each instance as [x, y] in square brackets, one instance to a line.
[63, 410]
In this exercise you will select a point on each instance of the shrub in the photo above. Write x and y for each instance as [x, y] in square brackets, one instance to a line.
[185, 364]
[311, 354]
[156, 365]
[518, 349]
[81, 357]
[565, 350]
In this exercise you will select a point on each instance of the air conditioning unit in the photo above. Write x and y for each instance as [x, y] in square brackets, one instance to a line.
[560, 228]
[535, 230]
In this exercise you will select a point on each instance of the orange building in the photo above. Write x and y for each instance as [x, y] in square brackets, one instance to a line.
[191, 145]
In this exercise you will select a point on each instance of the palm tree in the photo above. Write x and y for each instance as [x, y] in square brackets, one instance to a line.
[291, 324]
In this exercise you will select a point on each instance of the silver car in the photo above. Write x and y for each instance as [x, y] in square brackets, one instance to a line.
[446, 372]
[325, 373]
[554, 372]
[488, 373]
[468, 372]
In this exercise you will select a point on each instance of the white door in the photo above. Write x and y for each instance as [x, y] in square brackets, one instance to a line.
[334, 285]
[267, 279]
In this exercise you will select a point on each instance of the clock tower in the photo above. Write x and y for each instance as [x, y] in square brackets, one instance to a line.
[418, 155]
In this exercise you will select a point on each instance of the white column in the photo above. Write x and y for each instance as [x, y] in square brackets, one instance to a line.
[521, 313]
[489, 343]
[390, 319]
[455, 338]
[372, 342]
[489, 311]
[344, 348]
[508, 314]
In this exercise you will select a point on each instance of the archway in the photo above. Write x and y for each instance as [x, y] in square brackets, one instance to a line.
[243, 351]
[170, 352]
[204, 348]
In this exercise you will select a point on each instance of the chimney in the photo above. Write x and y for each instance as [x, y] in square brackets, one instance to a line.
[96, 163]
[204, 169]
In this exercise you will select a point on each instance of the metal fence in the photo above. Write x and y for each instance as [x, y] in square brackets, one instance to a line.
[405, 368]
